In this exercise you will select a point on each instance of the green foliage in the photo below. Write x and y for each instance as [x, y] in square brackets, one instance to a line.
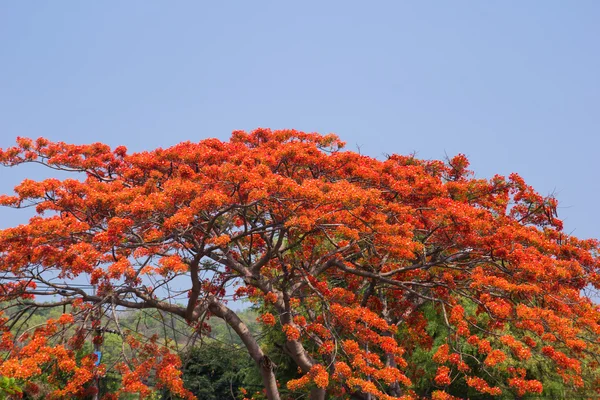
[217, 370]
[8, 387]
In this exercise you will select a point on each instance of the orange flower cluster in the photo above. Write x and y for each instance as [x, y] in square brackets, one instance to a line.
[442, 354]
[441, 395]
[291, 332]
[482, 386]
[319, 376]
[561, 359]
[327, 347]
[270, 297]
[495, 357]
[518, 348]
[524, 386]
[442, 376]
[152, 358]
[482, 345]
[267, 319]
[29, 360]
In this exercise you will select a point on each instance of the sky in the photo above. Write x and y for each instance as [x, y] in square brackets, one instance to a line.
[513, 85]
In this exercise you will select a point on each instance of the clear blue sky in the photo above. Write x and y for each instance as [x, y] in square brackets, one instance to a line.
[514, 85]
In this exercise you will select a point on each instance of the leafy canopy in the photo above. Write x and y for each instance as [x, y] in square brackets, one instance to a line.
[351, 259]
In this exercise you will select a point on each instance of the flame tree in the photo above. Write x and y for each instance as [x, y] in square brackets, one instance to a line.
[342, 251]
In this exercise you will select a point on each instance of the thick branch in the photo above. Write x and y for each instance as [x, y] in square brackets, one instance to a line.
[262, 361]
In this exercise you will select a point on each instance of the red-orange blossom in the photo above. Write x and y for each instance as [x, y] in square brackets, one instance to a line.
[344, 250]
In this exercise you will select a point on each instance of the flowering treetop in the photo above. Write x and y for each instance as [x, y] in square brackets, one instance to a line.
[342, 251]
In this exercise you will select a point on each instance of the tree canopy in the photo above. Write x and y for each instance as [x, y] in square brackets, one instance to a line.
[350, 258]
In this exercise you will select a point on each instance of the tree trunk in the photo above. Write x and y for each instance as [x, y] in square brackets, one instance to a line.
[296, 350]
[317, 394]
[263, 362]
